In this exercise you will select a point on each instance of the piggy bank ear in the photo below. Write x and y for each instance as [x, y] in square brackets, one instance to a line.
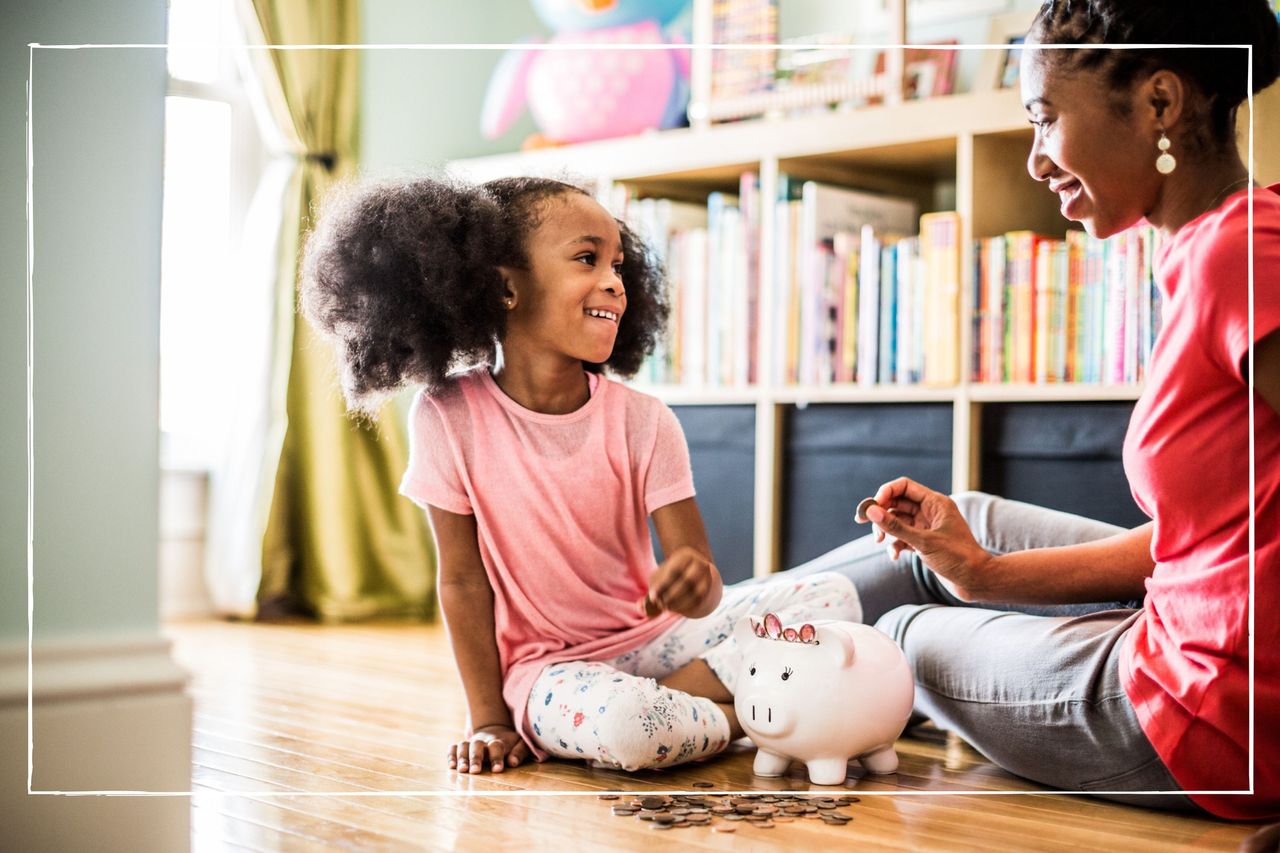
[744, 631]
[837, 646]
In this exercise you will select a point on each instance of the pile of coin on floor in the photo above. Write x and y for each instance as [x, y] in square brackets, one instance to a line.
[723, 812]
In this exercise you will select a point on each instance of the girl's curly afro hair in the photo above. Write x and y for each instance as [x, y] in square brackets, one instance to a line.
[403, 277]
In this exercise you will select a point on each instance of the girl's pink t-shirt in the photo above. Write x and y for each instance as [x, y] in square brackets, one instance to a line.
[1185, 664]
[562, 505]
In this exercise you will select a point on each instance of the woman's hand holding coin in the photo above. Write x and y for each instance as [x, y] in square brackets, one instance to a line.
[916, 518]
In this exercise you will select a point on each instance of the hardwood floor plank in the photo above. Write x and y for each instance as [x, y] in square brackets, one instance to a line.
[363, 714]
[333, 826]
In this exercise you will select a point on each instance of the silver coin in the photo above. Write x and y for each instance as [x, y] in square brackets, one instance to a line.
[860, 515]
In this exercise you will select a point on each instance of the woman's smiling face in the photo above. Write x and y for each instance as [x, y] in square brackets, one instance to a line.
[1100, 163]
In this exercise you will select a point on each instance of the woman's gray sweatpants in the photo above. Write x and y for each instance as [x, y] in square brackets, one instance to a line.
[1035, 689]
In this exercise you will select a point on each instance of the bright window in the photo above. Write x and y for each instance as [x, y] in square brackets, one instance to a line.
[213, 158]
[193, 263]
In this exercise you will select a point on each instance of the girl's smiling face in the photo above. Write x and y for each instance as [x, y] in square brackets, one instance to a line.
[1099, 162]
[571, 298]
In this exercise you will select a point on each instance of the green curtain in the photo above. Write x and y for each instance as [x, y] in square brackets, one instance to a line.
[340, 543]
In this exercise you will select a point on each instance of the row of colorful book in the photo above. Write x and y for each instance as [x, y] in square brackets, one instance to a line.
[862, 288]
[866, 290]
[1075, 310]
[711, 255]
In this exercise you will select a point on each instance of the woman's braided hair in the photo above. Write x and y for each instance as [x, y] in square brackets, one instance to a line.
[1221, 74]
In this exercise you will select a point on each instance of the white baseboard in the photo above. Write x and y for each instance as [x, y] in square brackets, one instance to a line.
[108, 714]
[87, 666]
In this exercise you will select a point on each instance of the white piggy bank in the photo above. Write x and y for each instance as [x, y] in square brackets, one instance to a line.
[821, 694]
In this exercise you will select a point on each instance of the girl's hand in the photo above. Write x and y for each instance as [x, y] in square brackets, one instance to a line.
[499, 746]
[681, 584]
[929, 523]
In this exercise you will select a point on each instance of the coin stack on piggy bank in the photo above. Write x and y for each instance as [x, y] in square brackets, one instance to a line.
[821, 694]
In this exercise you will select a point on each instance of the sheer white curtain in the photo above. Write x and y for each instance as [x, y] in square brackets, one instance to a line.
[243, 476]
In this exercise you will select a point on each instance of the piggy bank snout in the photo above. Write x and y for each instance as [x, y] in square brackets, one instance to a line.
[767, 712]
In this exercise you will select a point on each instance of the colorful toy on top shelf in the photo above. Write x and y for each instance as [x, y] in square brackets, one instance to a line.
[581, 95]
[821, 694]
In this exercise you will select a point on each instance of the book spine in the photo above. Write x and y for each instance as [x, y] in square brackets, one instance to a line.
[997, 300]
[849, 269]
[868, 306]
[694, 326]
[905, 335]
[781, 291]
[1023, 292]
[1132, 293]
[794, 308]
[749, 201]
[919, 279]
[1062, 308]
[1042, 287]
[830, 307]
[734, 327]
[981, 314]
[888, 317]
[939, 244]
[1098, 307]
[1075, 290]
[1113, 353]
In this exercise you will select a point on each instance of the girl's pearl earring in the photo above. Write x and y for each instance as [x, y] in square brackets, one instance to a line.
[1165, 162]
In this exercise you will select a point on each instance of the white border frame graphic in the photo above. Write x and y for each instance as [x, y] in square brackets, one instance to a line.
[31, 466]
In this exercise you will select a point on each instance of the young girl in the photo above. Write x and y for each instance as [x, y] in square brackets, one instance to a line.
[539, 473]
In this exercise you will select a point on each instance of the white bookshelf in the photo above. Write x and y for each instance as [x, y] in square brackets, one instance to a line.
[965, 152]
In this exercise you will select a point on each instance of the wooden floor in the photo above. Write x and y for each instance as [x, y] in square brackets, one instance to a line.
[362, 714]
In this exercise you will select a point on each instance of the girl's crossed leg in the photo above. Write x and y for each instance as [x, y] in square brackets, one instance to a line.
[618, 713]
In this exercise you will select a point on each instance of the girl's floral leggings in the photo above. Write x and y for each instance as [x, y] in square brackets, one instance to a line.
[615, 714]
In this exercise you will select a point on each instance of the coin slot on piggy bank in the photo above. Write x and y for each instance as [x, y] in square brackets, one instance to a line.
[822, 693]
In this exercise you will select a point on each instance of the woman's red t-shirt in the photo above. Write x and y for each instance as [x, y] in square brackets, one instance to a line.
[1186, 662]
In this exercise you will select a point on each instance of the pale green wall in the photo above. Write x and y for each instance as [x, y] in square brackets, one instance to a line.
[421, 108]
[98, 141]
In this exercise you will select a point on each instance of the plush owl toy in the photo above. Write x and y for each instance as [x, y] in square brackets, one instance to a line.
[580, 95]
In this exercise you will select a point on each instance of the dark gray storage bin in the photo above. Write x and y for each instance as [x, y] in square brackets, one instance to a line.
[836, 455]
[722, 450]
[1065, 456]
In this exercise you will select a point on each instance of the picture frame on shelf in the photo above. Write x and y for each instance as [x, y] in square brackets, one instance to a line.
[999, 68]
[930, 70]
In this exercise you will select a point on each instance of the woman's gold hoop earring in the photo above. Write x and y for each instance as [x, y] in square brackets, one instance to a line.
[1165, 162]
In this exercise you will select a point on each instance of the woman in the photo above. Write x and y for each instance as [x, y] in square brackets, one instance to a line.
[1153, 694]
